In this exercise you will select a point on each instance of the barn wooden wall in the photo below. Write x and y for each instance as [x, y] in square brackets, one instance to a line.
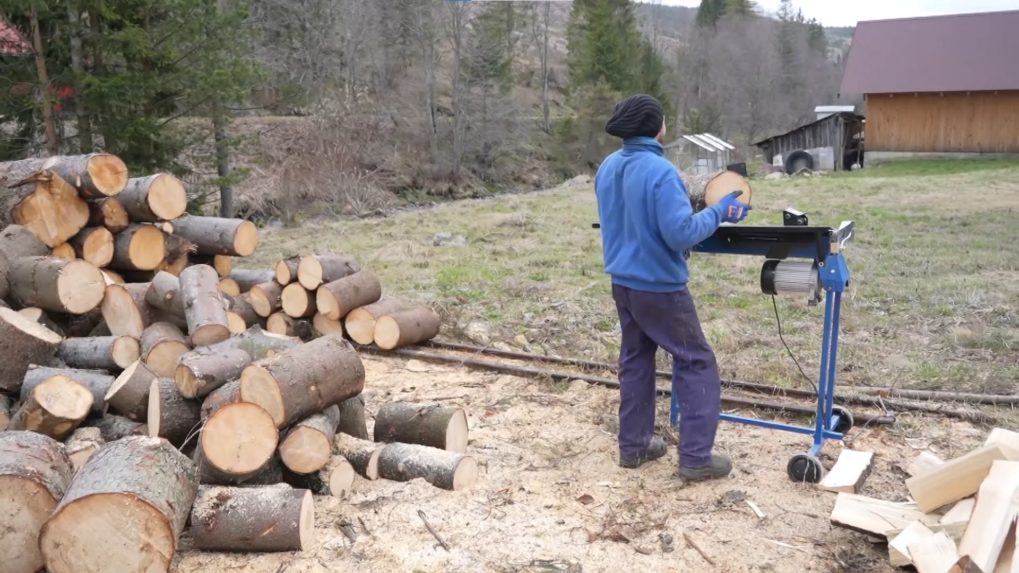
[985, 122]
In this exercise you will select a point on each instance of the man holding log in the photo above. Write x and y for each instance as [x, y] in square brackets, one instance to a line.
[648, 228]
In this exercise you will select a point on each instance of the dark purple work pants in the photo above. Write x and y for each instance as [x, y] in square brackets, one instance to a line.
[650, 320]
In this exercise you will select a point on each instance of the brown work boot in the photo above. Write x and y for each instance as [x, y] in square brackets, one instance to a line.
[655, 449]
[719, 467]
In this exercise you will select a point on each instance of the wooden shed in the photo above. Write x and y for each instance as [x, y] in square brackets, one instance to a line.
[942, 85]
[832, 143]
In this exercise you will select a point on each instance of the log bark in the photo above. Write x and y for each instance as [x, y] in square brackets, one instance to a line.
[82, 325]
[318, 269]
[363, 455]
[229, 393]
[265, 298]
[74, 287]
[218, 236]
[99, 352]
[178, 254]
[109, 213]
[158, 197]
[94, 245]
[285, 271]
[406, 327]
[280, 323]
[93, 175]
[129, 394]
[97, 382]
[203, 305]
[5, 412]
[16, 242]
[360, 322]
[204, 369]
[139, 247]
[336, 479]
[436, 425]
[171, 415]
[352, 418]
[42, 202]
[267, 518]
[162, 344]
[84, 442]
[237, 442]
[441, 468]
[112, 427]
[324, 325]
[34, 474]
[54, 407]
[22, 342]
[304, 380]
[308, 444]
[297, 301]
[164, 293]
[242, 308]
[337, 298]
[247, 278]
[141, 483]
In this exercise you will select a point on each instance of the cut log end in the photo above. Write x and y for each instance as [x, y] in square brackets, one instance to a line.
[359, 325]
[167, 198]
[245, 239]
[466, 473]
[456, 432]
[406, 327]
[306, 527]
[235, 323]
[239, 439]
[229, 286]
[259, 387]
[107, 174]
[297, 301]
[55, 407]
[210, 334]
[147, 248]
[305, 450]
[95, 245]
[125, 351]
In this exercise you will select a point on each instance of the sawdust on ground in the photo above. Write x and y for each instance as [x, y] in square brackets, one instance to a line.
[550, 496]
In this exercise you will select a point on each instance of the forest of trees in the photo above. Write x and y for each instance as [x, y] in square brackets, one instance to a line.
[397, 96]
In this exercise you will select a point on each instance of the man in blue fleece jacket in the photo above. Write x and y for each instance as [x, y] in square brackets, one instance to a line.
[648, 228]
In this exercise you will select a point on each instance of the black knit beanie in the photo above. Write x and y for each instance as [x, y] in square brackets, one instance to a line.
[636, 115]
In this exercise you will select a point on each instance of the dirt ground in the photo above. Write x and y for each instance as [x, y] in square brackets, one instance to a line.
[550, 496]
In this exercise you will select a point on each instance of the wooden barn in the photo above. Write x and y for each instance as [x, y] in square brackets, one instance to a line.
[832, 142]
[938, 86]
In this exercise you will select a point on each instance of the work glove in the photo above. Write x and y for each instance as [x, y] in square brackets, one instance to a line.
[733, 211]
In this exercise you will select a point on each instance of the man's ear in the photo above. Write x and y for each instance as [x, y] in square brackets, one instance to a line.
[661, 133]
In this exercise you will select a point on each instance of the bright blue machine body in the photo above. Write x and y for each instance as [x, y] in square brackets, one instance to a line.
[824, 246]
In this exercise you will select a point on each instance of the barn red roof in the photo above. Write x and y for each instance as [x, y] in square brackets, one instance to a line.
[12, 42]
[964, 52]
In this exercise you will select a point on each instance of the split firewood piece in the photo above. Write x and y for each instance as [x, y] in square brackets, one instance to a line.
[337, 298]
[267, 518]
[229, 286]
[308, 444]
[285, 271]
[112, 427]
[247, 278]
[352, 418]
[297, 301]
[237, 442]
[93, 244]
[324, 325]
[178, 255]
[171, 415]
[206, 368]
[39, 315]
[360, 322]
[265, 298]
[64, 251]
[229, 393]
[109, 213]
[992, 517]
[159, 197]
[94, 175]
[129, 394]
[877, 517]
[1003, 437]
[898, 546]
[305, 379]
[5, 412]
[363, 455]
[25, 342]
[203, 305]
[218, 236]
[848, 472]
[336, 479]
[149, 500]
[441, 468]
[58, 285]
[162, 344]
[436, 425]
[955, 520]
[42, 202]
[54, 407]
[935, 553]
[164, 293]
[82, 444]
[318, 269]
[16, 242]
[99, 352]
[97, 382]
[957, 478]
[280, 323]
[406, 327]
[924, 462]
[139, 247]
[34, 474]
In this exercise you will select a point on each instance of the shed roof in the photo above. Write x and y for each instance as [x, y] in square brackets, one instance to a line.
[12, 42]
[705, 141]
[962, 52]
[848, 116]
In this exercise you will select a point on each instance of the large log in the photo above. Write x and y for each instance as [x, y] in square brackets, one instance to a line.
[112, 427]
[203, 305]
[363, 455]
[99, 352]
[360, 322]
[97, 382]
[308, 444]
[304, 380]
[94, 175]
[267, 518]
[124, 511]
[318, 269]
[206, 368]
[94, 245]
[16, 242]
[109, 213]
[83, 442]
[129, 394]
[336, 479]
[247, 278]
[229, 393]
[54, 407]
[441, 468]
[265, 298]
[237, 442]
[218, 236]
[74, 287]
[22, 342]
[406, 327]
[34, 474]
[158, 197]
[993, 515]
[436, 425]
[139, 247]
[162, 345]
[337, 298]
[41, 201]
[297, 301]
[171, 415]
[352, 418]
[285, 270]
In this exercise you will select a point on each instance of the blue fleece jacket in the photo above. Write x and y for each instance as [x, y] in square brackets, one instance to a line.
[647, 223]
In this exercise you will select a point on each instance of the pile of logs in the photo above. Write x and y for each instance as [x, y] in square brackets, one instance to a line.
[962, 516]
[149, 390]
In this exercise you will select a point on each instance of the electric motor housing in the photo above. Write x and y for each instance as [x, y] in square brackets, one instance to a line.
[779, 277]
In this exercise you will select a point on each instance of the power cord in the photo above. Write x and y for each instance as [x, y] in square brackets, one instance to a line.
[778, 321]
